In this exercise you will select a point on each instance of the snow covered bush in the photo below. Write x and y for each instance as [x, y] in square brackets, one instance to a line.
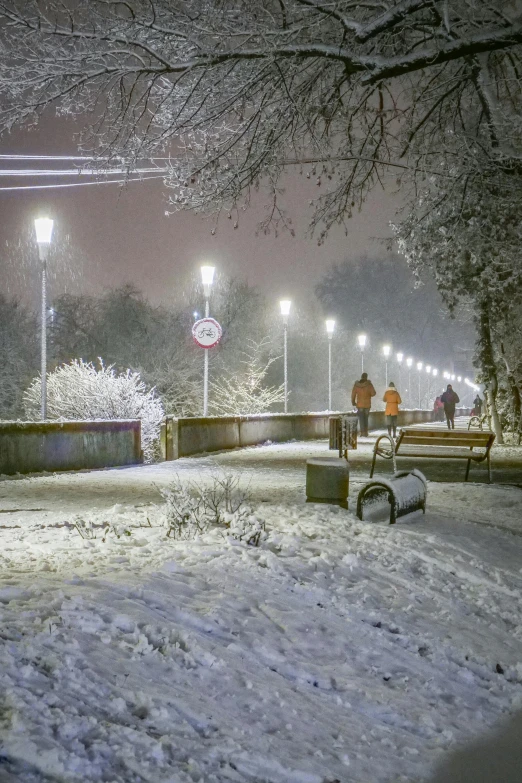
[192, 509]
[245, 526]
[245, 391]
[82, 392]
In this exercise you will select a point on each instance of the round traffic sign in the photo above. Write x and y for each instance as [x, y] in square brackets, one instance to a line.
[207, 332]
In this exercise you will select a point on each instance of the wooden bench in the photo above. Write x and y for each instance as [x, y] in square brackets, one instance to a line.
[427, 443]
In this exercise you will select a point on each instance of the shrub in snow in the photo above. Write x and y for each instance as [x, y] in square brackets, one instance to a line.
[192, 509]
[245, 391]
[245, 526]
[81, 391]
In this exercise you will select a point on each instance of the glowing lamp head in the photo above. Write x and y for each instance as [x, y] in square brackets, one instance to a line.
[330, 326]
[435, 372]
[207, 278]
[409, 361]
[459, 378]
[361, 340]
[419, 366]
[44, 233]
[285, 305]
[386, 349]
[428, 368]
[400, 357]
[452, 377]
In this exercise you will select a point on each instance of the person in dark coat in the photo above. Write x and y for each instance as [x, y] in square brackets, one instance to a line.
[362, 394]
[450, 399]
[477, 406]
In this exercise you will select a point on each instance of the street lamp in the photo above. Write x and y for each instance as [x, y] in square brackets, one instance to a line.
[428, 389]
[361, 339]
[409, 362]
[330, 326]
[419, 368]
[386, 349]
[207, 278]
[44, 232]
[400, 357]
[285, 305]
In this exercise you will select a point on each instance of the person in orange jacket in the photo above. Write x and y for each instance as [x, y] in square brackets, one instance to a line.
[362, 394]
[392, 398]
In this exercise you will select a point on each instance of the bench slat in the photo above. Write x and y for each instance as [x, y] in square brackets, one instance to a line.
[432, 453]
[446, 434]
[442, 442]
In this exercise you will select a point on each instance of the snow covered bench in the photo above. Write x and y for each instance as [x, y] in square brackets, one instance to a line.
[420, 442]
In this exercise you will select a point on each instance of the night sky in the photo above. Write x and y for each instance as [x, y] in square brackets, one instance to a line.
[125, 236]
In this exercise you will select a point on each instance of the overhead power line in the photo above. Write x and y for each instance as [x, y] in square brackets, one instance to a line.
[81, 184]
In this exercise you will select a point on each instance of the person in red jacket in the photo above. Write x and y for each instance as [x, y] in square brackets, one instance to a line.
[392, 398]
[450, 399]
[362, 394]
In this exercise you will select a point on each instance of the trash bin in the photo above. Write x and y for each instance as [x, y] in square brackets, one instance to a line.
[343, 434]
[327, 481]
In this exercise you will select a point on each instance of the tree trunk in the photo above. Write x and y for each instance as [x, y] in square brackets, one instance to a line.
[516, 398]
[488, 367]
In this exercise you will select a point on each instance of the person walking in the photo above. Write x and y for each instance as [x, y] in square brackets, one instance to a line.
[438, 407]
[362, 394]
[392, 398]
[450, 399]
[477, 406]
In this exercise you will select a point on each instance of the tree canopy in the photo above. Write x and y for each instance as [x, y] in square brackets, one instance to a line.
[231, 92]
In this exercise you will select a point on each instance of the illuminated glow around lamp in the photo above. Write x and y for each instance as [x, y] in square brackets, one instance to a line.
[330, 326]
[400, 357]
[386, 349]
[361, 339]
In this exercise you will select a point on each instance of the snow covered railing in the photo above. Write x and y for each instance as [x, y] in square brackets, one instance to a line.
[36, 446]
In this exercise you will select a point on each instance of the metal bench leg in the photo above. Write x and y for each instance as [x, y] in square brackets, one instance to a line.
[467, 469]
[489, 469]
[373, 462]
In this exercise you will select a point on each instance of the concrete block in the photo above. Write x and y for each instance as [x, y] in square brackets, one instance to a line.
[327, 481]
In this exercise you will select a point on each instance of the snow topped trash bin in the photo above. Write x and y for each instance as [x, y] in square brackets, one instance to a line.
[327, 481]
[405, 492]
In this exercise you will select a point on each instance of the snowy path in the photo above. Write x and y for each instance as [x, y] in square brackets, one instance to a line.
[338, 650]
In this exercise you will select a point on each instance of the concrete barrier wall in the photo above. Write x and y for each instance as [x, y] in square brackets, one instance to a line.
[32, 447]
[183, 437]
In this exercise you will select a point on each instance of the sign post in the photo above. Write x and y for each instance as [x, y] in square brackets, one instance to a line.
[207, 334]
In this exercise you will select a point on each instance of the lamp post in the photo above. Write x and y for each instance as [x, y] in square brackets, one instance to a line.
[285, 305]
[400, 357]
[419, 368]
[330, 326]
[409, 362]
[207, 278]
[428, 370]
[386, 349]
[44, 232]
[361, 339]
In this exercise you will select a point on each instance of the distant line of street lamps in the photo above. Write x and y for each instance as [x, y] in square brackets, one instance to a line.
[44, 231]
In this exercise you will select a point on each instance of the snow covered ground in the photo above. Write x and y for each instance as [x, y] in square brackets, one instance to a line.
[336, 651]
